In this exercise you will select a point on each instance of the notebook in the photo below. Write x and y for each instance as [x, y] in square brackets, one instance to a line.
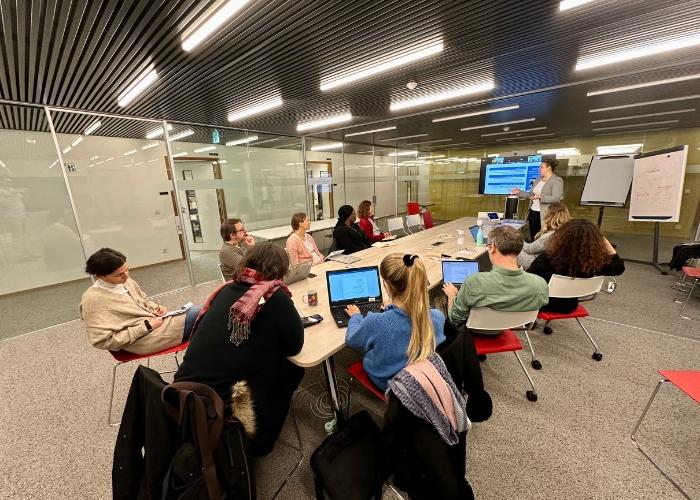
[456, 271]
[359, 286]
[298, 272]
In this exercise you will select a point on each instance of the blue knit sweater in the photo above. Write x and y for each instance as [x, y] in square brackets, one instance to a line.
[383, 338]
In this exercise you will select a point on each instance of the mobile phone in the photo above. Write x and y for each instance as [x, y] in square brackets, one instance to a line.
[312, 275]
[314, 319]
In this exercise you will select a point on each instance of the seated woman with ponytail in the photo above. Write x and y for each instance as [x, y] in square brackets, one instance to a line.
[406, 331]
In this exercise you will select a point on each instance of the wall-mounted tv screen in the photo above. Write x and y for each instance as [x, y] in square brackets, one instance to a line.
[501, 174]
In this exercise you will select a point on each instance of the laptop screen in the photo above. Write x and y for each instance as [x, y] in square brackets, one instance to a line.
[353, 285]
[456, 271]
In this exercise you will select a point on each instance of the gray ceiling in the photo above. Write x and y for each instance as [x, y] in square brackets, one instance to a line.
[82, 55]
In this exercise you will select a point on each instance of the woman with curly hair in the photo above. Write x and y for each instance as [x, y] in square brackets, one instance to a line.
[577, 249]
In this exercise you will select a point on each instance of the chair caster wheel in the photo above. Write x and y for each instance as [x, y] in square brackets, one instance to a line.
[536, 364]
[482, 357]
[531, 395]
[547, 330]
[597, 356]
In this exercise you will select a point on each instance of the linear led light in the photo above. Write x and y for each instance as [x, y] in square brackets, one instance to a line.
[645, 103]
[404, 153]
[642, 85]
[149, 146]
[50, 166]
[77, 141]
[595, 61]
[448, 146]
[427, 142]
[619, 149]
[181, 135]
[393, 62]
[560, 151]
[95, 125]
[331, 145]
[635, 131]
[371, 131]
[2, 164]
[130, 152]
[476, 113]
[442, 96]
[402, 137]
[498, 124]
[493, 155]
[331, 120]
[212, 23]
[254, 110]
[67, 149]
[689, 110]
[204, 149]
[518, 137]
[570, 4]
[245, 140]
[157, 132]
[184, 153]
[514, 131]
[635, 125]
[143, 81]
[430, 157]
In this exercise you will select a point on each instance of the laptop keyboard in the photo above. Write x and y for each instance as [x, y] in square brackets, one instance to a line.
[339, 313]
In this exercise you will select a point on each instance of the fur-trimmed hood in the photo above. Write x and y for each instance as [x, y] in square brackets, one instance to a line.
[242, 407]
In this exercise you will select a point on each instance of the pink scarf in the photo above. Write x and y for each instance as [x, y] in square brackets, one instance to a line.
[248, 306]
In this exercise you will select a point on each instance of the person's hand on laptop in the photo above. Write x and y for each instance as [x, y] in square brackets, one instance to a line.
[450, 290]
[352, 309]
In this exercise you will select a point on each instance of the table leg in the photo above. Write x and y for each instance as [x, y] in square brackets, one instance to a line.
[329, 370]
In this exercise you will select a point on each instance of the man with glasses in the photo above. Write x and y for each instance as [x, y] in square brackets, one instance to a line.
[236, 243]
[507, 287]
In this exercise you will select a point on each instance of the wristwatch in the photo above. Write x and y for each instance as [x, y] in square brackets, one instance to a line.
[148, 326]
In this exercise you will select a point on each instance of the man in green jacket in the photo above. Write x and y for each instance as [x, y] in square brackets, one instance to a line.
[506, 287]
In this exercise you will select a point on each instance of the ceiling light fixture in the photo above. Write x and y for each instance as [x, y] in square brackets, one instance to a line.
[255, 110]
[67, 149]
[181, 135]
[95, 125]
[371, 131]
[427, 142]
[645, 103]
[560, 151]
[689, 110]
[331, 120]
[570, 4]
[323, 147]
[404, 153]
[394, 61]
[430, 157]
[619, 149]
[130, 152]
[149, 146]
[635, 125]
[204, 149]
[518, 137]
[642, 85]
[77, 141]
[245, 140]
[498, 124]
[141, 83]
[183, 153]
[212, 23]
[597, 60]
[442, 96]
[476, 113]
[635, 131]
[402, 137]
[157, 132]
[514, 131]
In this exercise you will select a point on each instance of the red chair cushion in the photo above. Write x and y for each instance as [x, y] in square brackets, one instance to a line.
[428, 220]
[691, 272]
[686, 381]
[413, 208]
[357, 371]
[126, 356]
[506, 341]
[579, 312]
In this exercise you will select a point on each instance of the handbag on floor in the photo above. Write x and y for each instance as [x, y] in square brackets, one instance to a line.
[350, 464]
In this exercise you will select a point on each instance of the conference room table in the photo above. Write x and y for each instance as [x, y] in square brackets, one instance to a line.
[323, 340]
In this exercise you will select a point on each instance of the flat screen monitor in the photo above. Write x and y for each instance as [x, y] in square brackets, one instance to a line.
[499, 175]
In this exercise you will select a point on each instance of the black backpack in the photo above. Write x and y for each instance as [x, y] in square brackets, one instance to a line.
[350, 464]
[211, 459]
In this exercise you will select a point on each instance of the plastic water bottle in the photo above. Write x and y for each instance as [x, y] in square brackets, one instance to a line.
[479, 238]
[460, 240]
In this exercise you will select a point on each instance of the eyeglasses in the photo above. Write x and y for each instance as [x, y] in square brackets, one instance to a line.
[241, 230]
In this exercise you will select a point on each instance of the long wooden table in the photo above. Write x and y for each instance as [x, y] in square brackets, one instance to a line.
[322, 341]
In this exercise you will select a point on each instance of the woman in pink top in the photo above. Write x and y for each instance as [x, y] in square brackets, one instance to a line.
[301, 247]
[365, 212]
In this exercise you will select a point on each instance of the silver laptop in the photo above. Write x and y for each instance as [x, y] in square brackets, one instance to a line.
[298, 272]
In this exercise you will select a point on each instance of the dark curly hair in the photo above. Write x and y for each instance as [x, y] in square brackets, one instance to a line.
[577, 249]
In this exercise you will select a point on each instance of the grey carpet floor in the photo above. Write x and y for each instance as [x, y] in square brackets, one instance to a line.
[573, 443]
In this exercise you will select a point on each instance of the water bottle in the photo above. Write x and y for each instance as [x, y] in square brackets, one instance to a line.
[460, 240]
[479, 238]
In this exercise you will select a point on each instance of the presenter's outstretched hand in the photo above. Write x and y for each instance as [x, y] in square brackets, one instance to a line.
[515, 191]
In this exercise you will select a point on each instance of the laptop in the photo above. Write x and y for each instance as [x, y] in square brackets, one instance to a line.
[474, 230]
[456, 271]
[359, 286]
[298, 272]
[339, 256]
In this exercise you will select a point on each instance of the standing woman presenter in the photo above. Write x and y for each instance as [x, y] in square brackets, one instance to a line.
[547, 188]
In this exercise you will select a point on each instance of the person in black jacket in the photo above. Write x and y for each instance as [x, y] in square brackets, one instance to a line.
[579, 250]
[246, 333]
[347, 235]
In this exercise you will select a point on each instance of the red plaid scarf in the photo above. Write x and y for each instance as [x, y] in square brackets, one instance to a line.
[248, 306]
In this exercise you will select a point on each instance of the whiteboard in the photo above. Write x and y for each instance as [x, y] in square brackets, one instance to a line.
[657, 187]
[608, 181]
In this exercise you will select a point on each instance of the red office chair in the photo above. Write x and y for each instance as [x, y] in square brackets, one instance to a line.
[689, 383]
[413, 208]
[357, 372]
[689, 273]
[428, 220]
[123, 357]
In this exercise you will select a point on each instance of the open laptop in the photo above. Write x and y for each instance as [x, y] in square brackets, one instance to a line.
[456, 271]
[359, 286]
[298, 272]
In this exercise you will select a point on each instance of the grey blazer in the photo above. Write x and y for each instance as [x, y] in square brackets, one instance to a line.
[552, 192]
